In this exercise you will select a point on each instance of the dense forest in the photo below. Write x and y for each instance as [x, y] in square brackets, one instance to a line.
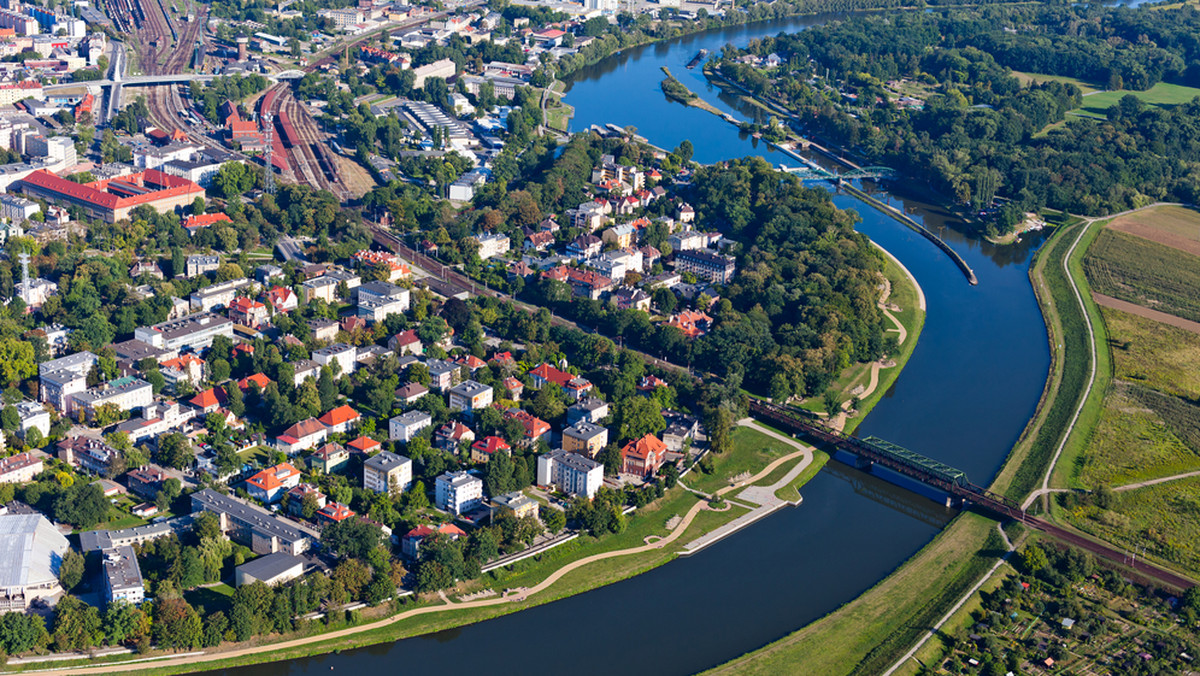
[981, 132]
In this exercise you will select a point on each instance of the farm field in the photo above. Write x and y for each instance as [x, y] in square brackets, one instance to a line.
[1132, 443]
[1146, 273]
[1154, 355]
[1176, 227]
[1161, 94]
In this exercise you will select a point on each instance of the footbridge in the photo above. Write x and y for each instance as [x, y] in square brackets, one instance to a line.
[873, 451]
[140, 81]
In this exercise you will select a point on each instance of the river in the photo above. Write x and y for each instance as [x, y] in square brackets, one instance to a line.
[964, 397]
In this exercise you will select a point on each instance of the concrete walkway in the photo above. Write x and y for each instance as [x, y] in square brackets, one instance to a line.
[762, 496]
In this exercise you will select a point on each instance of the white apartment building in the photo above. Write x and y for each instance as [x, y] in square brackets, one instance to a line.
[492, 244]
[345, 355]
[470, 396]
[406, 426]
[193, 331]
[127, 394]
[570, 473]
[62, 378]
[458, 492]
[387, 472]
[220, 295]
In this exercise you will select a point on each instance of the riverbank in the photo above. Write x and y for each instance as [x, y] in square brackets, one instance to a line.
[655, 535]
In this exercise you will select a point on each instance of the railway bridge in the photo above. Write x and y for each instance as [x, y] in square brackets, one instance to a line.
[873, 451]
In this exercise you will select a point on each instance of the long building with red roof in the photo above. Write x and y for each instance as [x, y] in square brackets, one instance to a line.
[111, 200]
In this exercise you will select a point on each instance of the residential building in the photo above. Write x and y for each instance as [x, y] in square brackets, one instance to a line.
[193, 332]
[443, 374]
[483, 449]
[321, 288]
[406, 342]
[122, 576]
[516, 503]
[575, 386]
[458, 492]
[589, 409]
[270, 484]
[406, 425]
[323, 329]
[340, 420]
[186, 368]
[492, 244]
[470, 395]
[687, 240]
[539, 241]
[222, 295]
[304, 369]
[33, 550]
[643, 457]
[271, 569]
[585, 247]
[62, 378]
[156, 419]
[364, 445]
[209, 400]
[20, 468]
[387, 472]
[622, 235]
[302, 436]
[449, 437]
[199, 264]
[570, 473]
[443, 68]
[253, 526]
[411, 393]
[33, 416]
[628, 298]
[410, 544]
[298, 494]
[282, 299]
[333, 512]
[536, 429]
[126, 394]
[99, 540]
[692, 323]
[514, 387]
[396, 268]
[706, 265]
[585, 438]
[345, 356]
[329, 458]
[145, 482]
[680, 428]
[248, 312]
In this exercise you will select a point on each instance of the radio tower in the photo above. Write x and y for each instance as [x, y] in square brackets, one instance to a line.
[269, 167]
[25, 286]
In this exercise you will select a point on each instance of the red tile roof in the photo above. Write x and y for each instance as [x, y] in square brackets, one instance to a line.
[534, 426]
[272, 478]
[258, 379]
[335, 511]
[214, 396]
[552, 374]
[445, 529]
[304, 428]
[95, 193]
[364, 444]
[204, 220]
[338, 416]
[644, 447]
[490, 445]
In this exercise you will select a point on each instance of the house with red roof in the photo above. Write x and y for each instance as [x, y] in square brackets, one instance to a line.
[485, 448]
[247, 312]
[410, 544]
[340, 419]
[270, 484]
[295, 497]
[515, 388]
[209, 400]
[396, 269]
[692, 323]
[448, 437]
[504, 359]
[333, 512]
[643, 457]
[575, 386]
[282, 299]
[258, 379]
[471, 362]
[185, 367]
[548, 38]
[302, 436]
[539, 241]
[648, 384]
[242, 349]
[535, 427]
[364, 445]
[196, 222]
[406, 342]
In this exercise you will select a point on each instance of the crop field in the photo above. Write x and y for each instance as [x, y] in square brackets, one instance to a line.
[1154, 355]
[1161, 94]
[1181, 416]
[1140, 271]
[1176, 227]
[1133, 443]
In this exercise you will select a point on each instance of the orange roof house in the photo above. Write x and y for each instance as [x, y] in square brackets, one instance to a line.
[259, 379]
[195, 222]
[333, 512]
[302, 436]
[643, 457]
[693, 324]
[340, 419]
[209, 400]
[535, 427]
[271, 483]
[364, 445]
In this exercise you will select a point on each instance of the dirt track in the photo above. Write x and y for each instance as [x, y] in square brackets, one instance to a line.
[1147, 313]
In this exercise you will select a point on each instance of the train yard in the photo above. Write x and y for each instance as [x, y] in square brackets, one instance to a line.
[299, 148]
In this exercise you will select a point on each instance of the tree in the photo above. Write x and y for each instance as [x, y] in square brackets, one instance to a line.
[548, 403]
[82, 505]
[17, 360]
[176, 625]
[198, 206]
[77, 625]
[10, 420]
[720, 430]
[554, 519]
[175, 450]
[1033, 559]
[352, 537]
[124, 622]
[70, 570]
[638, 417]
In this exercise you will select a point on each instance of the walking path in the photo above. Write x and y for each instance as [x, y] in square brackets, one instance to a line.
[762, 496]
[521, 596]
[1162, 480]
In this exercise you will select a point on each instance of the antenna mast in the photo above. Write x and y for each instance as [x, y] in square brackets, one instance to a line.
[269, 168]
[26, 289]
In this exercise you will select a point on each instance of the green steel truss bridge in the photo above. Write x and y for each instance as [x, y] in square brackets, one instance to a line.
[818, 174]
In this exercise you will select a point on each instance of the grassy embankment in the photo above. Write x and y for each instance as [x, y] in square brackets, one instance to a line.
[752, 451]
[870, 633]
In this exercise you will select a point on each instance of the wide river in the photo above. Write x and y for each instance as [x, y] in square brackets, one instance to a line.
[964, 397]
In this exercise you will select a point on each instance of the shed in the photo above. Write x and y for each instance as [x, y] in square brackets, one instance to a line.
[271, 569]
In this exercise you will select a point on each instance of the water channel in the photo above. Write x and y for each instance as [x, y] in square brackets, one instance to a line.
[964, 397]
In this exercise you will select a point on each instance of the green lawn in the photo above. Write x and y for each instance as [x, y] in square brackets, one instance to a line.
[214, 598]
[1029, 78]
[1155, 355]
[1161, 94]
[260, 453]
[752, 450]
